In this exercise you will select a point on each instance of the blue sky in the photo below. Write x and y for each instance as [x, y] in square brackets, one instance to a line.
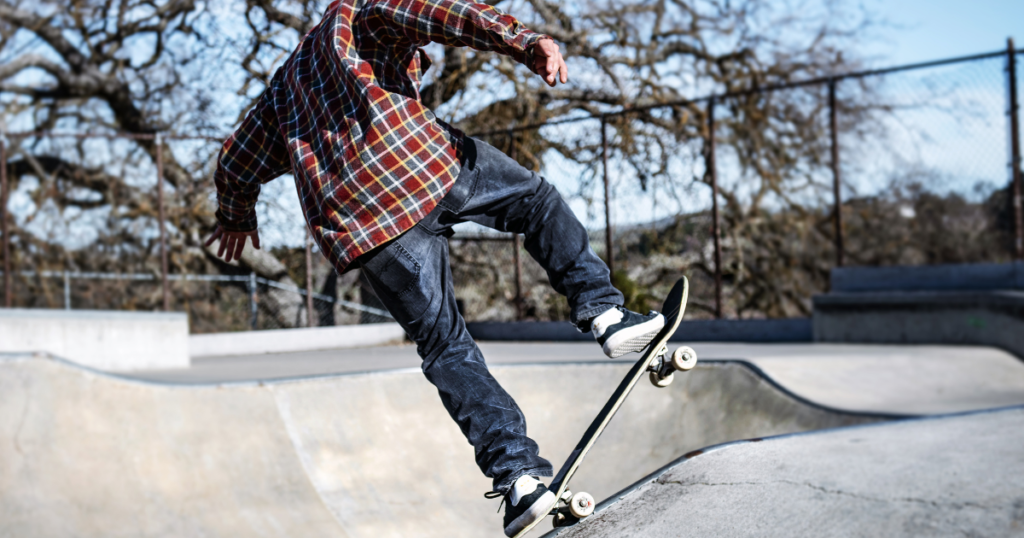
[931, 29]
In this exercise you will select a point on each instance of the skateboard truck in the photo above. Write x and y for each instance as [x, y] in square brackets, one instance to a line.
[572, 507]
[662, 370]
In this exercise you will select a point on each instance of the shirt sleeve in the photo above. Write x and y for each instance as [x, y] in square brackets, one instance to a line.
[253, 155]
[456, 23]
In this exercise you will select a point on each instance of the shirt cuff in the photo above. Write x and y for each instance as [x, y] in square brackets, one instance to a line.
[530, 39]
[247, 224]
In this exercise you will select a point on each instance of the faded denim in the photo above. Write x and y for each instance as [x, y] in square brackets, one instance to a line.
[412, 277]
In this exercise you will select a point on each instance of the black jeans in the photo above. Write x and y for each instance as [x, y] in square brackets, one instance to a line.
[412, 277]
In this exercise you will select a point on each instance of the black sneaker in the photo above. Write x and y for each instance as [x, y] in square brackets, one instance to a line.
[620, 331]
[527, 501]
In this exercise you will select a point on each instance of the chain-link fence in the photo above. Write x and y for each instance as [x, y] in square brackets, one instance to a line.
[902, 166]
[754, 194]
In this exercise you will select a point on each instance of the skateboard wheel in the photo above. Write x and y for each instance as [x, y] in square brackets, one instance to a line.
[581, 504]
[661, 382]
[684, 358]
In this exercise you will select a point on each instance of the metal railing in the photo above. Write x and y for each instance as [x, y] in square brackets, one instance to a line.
[251, 282]
[712, 101]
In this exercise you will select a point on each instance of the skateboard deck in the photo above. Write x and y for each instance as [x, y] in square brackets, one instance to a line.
[673, 308]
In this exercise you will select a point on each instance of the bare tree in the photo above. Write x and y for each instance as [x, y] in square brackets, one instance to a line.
[142, 66]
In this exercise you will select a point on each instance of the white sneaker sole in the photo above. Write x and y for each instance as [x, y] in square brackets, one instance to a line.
[633, 338]
[537, 510]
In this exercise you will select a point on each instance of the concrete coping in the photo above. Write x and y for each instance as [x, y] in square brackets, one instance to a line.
[53, 313]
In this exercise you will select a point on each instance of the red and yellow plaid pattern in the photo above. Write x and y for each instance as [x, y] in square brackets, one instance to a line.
[343, 115]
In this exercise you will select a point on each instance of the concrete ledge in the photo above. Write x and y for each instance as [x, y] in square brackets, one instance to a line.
[717, 330]
[994, 318]
[288, 340]
[979, 276]
[100, 339]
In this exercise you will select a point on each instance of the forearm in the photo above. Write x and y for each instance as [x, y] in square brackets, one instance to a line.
[457, 23]
[254, 155]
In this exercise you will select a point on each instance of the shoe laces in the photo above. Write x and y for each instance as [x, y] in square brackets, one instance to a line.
[495, 495]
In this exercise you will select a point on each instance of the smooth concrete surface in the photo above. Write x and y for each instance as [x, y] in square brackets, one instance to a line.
[88, 454]
[903, 379]
[293, 340]
[993, 318]
[102, 339]
[952, 277]
[951, 476]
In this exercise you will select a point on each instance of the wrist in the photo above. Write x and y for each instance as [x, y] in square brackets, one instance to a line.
[244, 225]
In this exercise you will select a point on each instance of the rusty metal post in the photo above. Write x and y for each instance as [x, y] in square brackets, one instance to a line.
[1015, 162]
[309, 281]
[609, 254]
[712, 172]
[8, 299]
[162, 216]
[516, 245]
[837, 200]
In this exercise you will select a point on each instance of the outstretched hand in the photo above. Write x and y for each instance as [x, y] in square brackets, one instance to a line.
[232, 243]
[548, 62]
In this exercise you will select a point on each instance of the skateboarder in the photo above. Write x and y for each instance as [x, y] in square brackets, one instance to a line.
[382, 181]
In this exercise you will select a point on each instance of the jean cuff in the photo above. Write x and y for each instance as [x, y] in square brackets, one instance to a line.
[505, 485]
[582, 322]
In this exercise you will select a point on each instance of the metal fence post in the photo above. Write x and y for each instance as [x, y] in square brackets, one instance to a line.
[162, 217]
[609, 254]
[3, 221]
[837, 200]
[715, 231]
[516, 244]
[1015, 162]
[67, 291]
[253, 301]
[309, 280]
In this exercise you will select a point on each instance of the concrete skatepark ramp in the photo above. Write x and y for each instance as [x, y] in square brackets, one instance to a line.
[89, 454]
[957, 475]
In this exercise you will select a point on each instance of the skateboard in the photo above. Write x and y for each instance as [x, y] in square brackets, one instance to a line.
[569, 508]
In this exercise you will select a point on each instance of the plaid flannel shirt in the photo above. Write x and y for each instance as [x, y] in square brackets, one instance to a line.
[343, 114]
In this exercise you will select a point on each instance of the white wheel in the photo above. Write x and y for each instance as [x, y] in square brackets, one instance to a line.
[661, 382]
[684, 358]
[581, 505]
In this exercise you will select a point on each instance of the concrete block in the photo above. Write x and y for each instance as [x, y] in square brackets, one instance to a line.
[925, 317]
[105, 340]
[290, 340]
[976, 276]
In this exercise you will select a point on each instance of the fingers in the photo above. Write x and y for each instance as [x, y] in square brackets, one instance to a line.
[224, 241]
[550, 64]
[232, 243]
[239, 246]
[216, 233]
[551, 69]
